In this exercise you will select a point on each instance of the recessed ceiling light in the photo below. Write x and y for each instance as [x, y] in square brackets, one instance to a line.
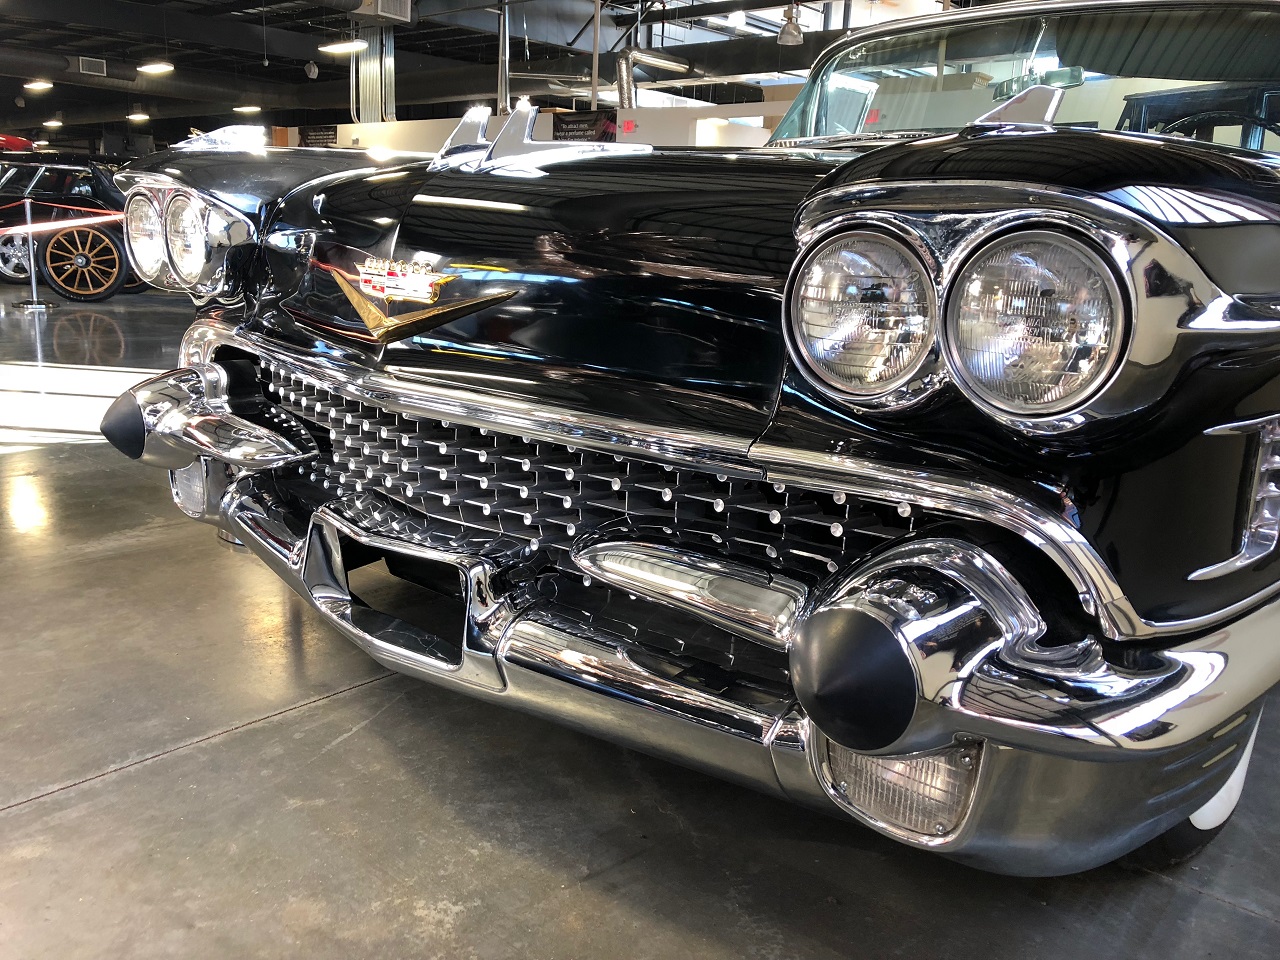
[137, 116]
[37, 85]
[155, 67]
[53, 124]
[247, 109]
[354, 45]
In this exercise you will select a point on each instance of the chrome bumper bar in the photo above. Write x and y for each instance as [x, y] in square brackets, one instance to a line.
[1080, 760]
[1043, 804]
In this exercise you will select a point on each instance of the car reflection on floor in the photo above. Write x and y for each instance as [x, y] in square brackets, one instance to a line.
[60, 369]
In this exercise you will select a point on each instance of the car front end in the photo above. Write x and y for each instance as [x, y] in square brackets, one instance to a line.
[927, 480]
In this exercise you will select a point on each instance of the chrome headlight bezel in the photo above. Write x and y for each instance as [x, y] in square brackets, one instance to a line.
[224, 231]
[1069, 413]
[199, 211]
[158, 276]
[923, 376]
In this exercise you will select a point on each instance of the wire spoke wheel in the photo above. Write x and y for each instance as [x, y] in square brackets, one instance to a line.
[83, 263]
[15, 258]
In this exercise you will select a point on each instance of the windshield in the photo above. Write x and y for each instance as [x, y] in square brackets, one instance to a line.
[1212, 74]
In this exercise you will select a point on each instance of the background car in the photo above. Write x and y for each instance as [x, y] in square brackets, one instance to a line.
[86, 260]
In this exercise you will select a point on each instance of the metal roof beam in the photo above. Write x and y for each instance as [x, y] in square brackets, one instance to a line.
[115, 17]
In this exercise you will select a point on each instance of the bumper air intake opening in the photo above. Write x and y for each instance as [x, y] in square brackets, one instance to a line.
[424, 595]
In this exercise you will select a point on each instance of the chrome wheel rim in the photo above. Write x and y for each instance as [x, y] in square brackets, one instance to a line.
[15, 258]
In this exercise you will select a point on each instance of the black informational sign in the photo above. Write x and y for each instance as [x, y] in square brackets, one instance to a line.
[598, 126]
[318, 136]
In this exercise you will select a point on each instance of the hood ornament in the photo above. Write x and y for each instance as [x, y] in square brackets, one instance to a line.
[400, 280]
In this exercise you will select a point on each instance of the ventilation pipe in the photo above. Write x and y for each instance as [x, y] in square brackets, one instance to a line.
[631, 57]
[504, 61]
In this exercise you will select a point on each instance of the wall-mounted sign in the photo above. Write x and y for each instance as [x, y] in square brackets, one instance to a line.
[599, 126]
[318, 136]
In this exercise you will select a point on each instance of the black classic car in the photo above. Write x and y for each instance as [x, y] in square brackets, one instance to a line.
[922, 466]
[78, 239]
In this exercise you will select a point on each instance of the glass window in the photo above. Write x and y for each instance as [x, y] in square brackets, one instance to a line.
[1208, 74]
[16, 180]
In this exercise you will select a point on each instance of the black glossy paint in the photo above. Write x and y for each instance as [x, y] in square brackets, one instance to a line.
[1077, 159]
[649, 288]
[646, 288]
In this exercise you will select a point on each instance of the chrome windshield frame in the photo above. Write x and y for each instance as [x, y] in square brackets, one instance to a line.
[984, 15]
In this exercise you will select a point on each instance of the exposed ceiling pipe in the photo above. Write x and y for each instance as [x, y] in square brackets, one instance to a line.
[504, 60]
[631, 57]
[724, 60]
[695, 11]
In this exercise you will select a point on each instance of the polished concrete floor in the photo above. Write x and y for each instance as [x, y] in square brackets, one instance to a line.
[191, 766]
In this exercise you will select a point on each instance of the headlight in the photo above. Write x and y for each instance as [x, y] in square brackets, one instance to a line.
[863, 314]
[187, 238]
[1035, 324]
[145, 235]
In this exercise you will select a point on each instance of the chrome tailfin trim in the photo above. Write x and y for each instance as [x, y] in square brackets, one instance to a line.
[467, 138]
[515, 141]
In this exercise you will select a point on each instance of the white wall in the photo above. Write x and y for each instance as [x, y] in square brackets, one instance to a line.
[662, 127]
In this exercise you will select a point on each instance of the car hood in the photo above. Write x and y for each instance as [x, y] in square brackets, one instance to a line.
[647, 287]
[1104, 163]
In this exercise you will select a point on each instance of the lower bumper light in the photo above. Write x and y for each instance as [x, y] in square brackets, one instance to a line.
[189, 489]
[924, 796]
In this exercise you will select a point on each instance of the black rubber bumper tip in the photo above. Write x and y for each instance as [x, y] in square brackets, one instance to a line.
[853, 679]
[123, 426]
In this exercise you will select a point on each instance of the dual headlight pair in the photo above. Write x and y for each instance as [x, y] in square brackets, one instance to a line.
[1031, 326]
[181, 240]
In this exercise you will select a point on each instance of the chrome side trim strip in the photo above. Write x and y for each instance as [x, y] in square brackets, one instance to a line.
[732, 595]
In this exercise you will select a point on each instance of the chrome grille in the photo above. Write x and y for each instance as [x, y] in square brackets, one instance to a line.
[546, 494]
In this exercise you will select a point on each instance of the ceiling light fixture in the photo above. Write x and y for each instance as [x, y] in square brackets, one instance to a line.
[55, 121]
[354, 45]
[790, 34]
[156, 67]
[39, 143]
[138, 115]
[37, 85]
[247, 108]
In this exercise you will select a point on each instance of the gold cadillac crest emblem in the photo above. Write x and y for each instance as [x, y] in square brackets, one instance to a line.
[394, 281]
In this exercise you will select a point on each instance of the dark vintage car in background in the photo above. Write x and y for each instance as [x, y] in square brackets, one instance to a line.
[78, 237]
[922, 467]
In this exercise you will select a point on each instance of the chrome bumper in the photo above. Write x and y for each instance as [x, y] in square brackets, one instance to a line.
[1075, 761]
